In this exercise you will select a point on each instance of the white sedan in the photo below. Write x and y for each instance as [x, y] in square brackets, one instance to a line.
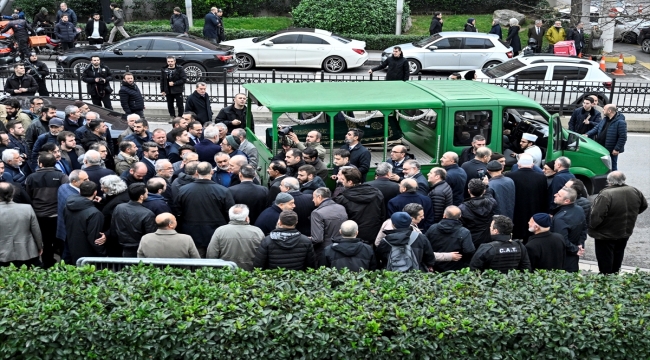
[307, 48]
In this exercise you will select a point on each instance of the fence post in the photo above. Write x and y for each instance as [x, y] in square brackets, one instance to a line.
[419, 77]
[562, 97]
[273, 76]
[128, 69]
[322, 76]
[371, 76]
[611, 92]
[225, 88]
[79, 82]
[516, 83]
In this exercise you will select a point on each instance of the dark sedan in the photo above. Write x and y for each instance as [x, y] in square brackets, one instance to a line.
[150, 51]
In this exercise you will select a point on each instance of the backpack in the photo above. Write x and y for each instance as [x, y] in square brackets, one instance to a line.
[401, 257]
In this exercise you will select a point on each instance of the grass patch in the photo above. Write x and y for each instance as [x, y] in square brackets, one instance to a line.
[450, 23]
[246, 23]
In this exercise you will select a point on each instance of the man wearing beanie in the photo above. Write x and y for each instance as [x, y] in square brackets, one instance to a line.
[230, 145]
[545, 248]
[401, 237]
[268, 219]
[285, 247]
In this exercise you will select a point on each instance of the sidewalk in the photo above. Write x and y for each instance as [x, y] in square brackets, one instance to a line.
[592, 266]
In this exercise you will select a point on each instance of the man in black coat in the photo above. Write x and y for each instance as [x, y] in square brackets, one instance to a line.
[304, 204]
[537, 32]
[19, 83]
[398, 66]
[155, 201]
[440, 194]
[246, 192]
[131, 221]
[234, 116]
[530, 195]
[21, 29]
[469, 152]
[409, 195]
[585, 118]
[503, 253]
[546, 249]
[401, 236]
[577, 34]
[285, 247]
[83, 224]
[39, 71]
[102, 30]
[359, 155]
[98, 78]
[131, 97]
[211, 26]
[477, 212]
[199, 103]
[456, 176]
[436, 23]
[172, 83]
[92, 161]
[412, 171]
[449, 235]
[569, 221]
[348, 251]
[477, 167]
[382, 181]
[203, 205]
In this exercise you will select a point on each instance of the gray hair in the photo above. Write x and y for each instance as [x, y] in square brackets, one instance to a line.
[413, 163]
[92, 157]
[291, 183]
[211, 132]
[413, 209]
[564, 161]
[349, 228]
[323, 192]
[383, 169]
[239, 133]
[238, 212]
[9, 154]
[97, 117]
[71, 109]
[201, 84]
[538, 21]
[133, 116]
[113, 185]
[160, 163]
[616, 178]
[514, 22]
[221, 126]
[74, 175]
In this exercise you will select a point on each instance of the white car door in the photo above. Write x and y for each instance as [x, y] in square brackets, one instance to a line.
[445, 57]
[311, 51]
[278, 51]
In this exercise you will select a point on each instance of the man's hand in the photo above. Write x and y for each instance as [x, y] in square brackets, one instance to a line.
[23, 89]
[97, 199]
[40, 252]
[293, 137]
[586, 119]
[455, 256]
[394, 177]
[333, 177]
[17, 91]
[171, 83]
[485, 180]
[96, 79]
[615, 152]
[236, 122]
[369, 71]
[163, 93]
[581, 251]
[101, 240]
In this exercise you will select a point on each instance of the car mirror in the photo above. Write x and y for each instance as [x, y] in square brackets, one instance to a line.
[268, 43]
[117, 51]
[433, 47]
[573, 142]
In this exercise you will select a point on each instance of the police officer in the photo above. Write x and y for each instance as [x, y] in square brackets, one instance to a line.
[503, 253]
[21, 33]
[39, 71]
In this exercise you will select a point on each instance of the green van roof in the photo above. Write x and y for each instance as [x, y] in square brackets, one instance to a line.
[379, 95]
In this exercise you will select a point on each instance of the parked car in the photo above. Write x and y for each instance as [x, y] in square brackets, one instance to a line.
[149, 52]
[628, 31]
[453, 51]
[309, 48]
[644, 40]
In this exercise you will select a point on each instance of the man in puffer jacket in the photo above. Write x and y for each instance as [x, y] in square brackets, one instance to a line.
[66, 32]
[130, 96]
[398, 66]
[348, 251]
[179, 22]
[477, 212]
[66, 11]
[441, 194]
[285, 247]
[611, 133]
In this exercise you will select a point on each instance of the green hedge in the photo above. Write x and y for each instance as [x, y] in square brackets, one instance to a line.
[148, 313]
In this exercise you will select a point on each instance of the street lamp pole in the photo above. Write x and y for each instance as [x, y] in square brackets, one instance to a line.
[398, 22]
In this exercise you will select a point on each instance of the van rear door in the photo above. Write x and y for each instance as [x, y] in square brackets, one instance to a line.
[554, 148]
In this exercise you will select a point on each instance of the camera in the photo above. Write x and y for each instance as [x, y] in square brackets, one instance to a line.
[481, 174]
[285, 130]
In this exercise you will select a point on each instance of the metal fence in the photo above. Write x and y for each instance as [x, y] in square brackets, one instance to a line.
[116, 264]
[556, 96]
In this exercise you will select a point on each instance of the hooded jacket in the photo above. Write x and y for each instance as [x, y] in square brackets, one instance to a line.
[287, 249]
[72, 17]
[83, 223]
[349, 253]
[476, 216]
[448, 236]
[469, 27]
[435, 26]
[397, 69]
[179, 23]
[309, 187]
[615, 133]
[131, 98]
[554, 35]
[365, 205]
[398, 237]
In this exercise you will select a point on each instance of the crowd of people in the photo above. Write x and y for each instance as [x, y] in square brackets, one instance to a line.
[69, 190]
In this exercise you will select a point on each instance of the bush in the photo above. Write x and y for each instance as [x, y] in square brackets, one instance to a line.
[462, 7]
[148, 313]
[349, 17]
[83, 8]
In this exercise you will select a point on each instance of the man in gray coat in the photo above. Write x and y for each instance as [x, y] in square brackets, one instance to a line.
[21, 243]
[238, 241]
[326, 220]
[166, 242]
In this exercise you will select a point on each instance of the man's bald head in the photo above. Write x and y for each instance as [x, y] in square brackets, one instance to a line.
[6, 192]
[452, 212]
[408, 186]
[139, 170]
[166, 221]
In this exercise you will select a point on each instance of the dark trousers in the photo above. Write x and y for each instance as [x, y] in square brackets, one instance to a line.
[551, 49]
[130, 252]
[92, 41]
[614, 162]
[18, 263]
[178, 98]
[537, 49]
[42, 88]
[50, 243]
[65, 45]
[24, 49]
[609, 254]
[97, 100]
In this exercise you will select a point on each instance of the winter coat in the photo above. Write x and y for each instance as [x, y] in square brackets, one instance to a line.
[309, 187]
[108, 205]
[230, 113]
[124, 162]
[130, 222]
[182, 180]
[530, 198]
[472, 169]
[398, 237]
[43, 187]
[466, 155]
[211, 26]
[496, 29]
[569, 221]
[578, 36]
[17, 175]
[405, 198]
[441, 196]
[65, 31]
[17, 144]
[456, 178]
[43, 139]
[90, 27]
[95, 174]
[292, 170]
[576, 123]
[237, 242]
[118, 17]
[21, 29]
[448, 236]
[167, 244]
[268, 219]
[72, 17]
[72, 125]
[503, 191]
[179, 23]
[131, 98]
[398, 68]
[98, 88]
[14, 83]
[22, 240]
[585, 205]
[206, 150]
[554, 35]
[200, 105]
[83, 223]
[42, 18]
[615, 211]
[156, 203]
[476, 216]
[502, 254]
[304, 207]
[254, 196]
[470, 28]
[314, 145]
[532, 33]
[250, 151]
[349, 253]
[64, 192]
[513, 38]
[177, 75]
[546, 251]
[423, 184]
[612, 134]
[365, 205]
[139, 141]
[287, 249]
[274, 189]
[321, 169]
[435, 26]
[559, 180]
[388, 188]
[326, 222]
[203, 206]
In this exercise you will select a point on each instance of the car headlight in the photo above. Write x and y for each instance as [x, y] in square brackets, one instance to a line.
[607, 161]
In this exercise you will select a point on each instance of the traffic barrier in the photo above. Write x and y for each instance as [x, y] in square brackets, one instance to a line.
[116, 264]
[619, 67]
[602, 63]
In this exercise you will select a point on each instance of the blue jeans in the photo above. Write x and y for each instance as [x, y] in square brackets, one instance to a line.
[614, 162]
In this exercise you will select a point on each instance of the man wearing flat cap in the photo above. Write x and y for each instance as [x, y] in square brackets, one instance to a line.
[527, 144]
[268, 219]
[545, 248]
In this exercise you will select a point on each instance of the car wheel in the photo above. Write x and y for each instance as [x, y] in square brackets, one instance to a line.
[629, 37]
[334, 64]
[79, 66]
[195, 72]
[645, 46]
[245, 62]
[490, 64]
[414, 66]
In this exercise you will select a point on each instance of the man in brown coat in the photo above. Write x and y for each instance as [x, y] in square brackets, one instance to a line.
[166, 242]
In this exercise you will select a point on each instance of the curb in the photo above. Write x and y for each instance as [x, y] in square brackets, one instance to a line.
[627, 59]
[592, 266]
